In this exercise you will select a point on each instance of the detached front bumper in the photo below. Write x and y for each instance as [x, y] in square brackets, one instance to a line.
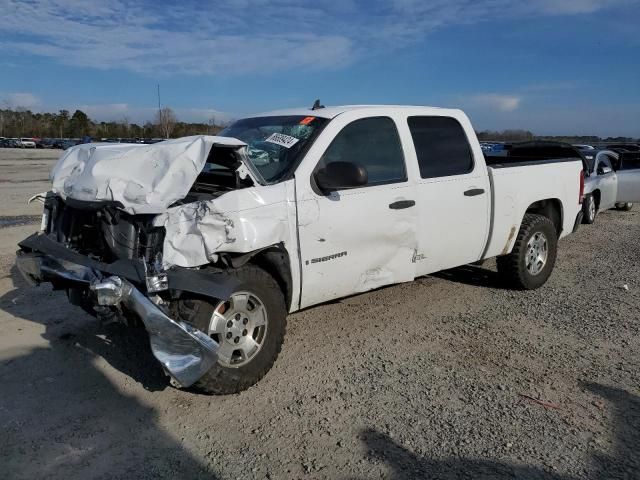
[185, 353]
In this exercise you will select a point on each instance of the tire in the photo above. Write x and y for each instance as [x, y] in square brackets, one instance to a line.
[625, 207]
[514, 266]
[264, 300]
[589, 209]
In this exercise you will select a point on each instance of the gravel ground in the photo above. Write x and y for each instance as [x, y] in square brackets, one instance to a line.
[451, 376]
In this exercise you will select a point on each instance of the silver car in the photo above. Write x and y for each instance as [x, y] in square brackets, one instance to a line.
[604, 183]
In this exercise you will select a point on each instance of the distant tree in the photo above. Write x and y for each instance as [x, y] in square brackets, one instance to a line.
[125, 125]
[212, 124]
[60, 123]
[506, 136]
[166, 120]
[136, 130]
[149, 130]
[79, 125]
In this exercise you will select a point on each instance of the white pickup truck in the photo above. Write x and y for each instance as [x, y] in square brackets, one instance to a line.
[210, 241]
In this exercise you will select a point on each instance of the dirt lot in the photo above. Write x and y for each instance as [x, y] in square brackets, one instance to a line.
[452, 376]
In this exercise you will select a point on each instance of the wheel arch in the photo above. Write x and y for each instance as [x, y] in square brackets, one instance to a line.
[550, 208]
[274, 259]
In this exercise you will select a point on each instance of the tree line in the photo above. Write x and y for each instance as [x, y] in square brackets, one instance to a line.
[526, 136]
[15, 123]
[25, 123]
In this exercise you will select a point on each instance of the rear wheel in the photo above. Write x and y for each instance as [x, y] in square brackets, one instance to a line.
[533, 257]
[625, 206]
[249, 329]
[590, 210]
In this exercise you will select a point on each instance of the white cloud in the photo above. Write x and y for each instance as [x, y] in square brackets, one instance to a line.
[21, 100]
[106, 112]
[563, 7]
[495, 101]
[243, 36]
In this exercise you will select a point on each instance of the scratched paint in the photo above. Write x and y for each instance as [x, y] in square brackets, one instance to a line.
[512, 233]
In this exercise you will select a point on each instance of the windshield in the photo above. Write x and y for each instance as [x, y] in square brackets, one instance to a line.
[275, 145]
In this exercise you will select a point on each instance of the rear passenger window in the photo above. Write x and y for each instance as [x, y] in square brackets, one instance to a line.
[373, 143]
[441, 146]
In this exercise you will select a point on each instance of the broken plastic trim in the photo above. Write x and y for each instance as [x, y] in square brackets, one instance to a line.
[59, 258]
[183, 351]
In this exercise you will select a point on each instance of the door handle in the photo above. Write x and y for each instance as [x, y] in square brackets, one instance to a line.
[473, 192]
[400, 204]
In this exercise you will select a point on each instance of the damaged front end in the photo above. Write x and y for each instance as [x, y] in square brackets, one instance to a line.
[113, 287]
[110, 263]
[130, 231]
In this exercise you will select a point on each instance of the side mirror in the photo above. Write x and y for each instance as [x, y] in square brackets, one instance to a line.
[604, 170]
[341, 176]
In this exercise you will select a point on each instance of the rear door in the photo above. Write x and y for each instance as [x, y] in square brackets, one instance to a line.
[453, 194]
[362, 238]
[629, 178]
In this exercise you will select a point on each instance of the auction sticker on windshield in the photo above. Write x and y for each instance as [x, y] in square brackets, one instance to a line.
[282, 140]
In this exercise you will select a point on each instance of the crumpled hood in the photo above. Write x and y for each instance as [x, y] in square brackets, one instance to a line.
[143, 178]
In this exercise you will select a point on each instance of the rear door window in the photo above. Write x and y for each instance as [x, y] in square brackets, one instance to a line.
[441, 146]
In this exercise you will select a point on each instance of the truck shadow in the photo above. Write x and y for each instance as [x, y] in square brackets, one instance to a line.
[125, 348]
[623, 463]
[473, 275]
[62, 417]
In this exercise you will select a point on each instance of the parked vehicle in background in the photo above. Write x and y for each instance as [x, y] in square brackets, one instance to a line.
[624, 147]
[65, 144]
[27, 143]
[11, 143]
[601, 184]
[608, 183]
[213, 245]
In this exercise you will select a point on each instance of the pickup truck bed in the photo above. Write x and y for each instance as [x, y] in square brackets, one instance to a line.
[508, 176]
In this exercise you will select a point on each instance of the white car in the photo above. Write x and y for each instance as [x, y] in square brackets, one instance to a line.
[210, 241]
[609, 183]
[27, 143]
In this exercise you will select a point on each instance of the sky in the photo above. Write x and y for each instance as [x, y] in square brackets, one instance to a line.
[555, 67]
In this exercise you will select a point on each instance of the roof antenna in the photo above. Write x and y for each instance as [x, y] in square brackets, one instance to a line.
[316, 105]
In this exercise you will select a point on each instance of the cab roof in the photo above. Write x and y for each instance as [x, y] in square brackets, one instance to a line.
[334, 111]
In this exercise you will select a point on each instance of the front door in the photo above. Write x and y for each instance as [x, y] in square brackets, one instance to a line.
[607, 182]
[358, 239]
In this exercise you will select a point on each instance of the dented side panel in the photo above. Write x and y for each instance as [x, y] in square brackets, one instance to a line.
[239, 221]
[354, 242]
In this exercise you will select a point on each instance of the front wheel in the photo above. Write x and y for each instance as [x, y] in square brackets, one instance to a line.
[249, 329]
[533, 257]
[625, 206]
